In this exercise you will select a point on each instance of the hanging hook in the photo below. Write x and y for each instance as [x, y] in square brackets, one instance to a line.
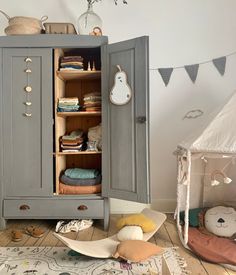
[119, 68]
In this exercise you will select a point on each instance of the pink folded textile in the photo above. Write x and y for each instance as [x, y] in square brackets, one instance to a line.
[212, 248]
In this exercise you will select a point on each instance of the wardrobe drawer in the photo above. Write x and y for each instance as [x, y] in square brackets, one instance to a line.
[53, 208]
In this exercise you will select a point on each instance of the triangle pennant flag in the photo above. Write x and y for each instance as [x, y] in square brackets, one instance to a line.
[192, 71]
[220, 63]
[165, 74]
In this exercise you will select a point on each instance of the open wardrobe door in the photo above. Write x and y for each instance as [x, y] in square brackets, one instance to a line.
[125, 120]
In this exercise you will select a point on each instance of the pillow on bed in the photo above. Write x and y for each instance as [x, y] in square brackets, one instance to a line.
[212, 248]
[136, 251]
[141, 220]
[130, 232]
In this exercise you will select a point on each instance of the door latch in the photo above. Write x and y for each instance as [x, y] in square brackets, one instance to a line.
[141, 119]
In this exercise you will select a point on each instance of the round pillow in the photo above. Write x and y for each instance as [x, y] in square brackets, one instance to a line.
[130, 232]
[221, 221]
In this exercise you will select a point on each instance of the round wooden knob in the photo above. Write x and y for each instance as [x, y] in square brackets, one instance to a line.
[28, 89]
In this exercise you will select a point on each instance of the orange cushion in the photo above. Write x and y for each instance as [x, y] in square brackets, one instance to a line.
[141, 220]
[69, 189]
[136, 250]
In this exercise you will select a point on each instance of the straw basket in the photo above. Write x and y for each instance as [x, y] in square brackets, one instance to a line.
[23, 25]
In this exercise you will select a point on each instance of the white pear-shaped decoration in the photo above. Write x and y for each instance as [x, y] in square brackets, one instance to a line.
[121, 92]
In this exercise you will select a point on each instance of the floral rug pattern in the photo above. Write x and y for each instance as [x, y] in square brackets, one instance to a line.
[63, 261]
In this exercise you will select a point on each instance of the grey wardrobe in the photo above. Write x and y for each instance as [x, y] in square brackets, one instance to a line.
[30, 126]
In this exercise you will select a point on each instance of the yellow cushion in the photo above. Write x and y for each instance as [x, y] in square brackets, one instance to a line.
[136, 250]
[144, 222]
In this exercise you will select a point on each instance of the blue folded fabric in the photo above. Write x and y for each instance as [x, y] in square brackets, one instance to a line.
[72, 66]
[68, 109]
[79, 173]
[81, 182]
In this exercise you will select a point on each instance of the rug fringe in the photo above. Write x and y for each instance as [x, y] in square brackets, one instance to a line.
[181, 261]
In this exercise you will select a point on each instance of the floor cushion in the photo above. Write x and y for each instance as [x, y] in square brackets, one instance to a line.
[193, 216]
[130, 232]
[136, 250]
[144, 222]
[212, 248]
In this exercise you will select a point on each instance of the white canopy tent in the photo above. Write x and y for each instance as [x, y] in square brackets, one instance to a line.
[206, 166]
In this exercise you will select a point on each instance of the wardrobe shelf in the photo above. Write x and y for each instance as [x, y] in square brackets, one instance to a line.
[78, 153]
[65, 114]
[70, 75]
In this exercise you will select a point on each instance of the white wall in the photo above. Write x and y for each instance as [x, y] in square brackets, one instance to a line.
[181, 32]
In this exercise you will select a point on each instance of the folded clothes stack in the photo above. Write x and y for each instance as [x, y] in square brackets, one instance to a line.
[80, 181]
[92, 102]
[73, 142]
[68, 104]
[95, 138]
[71, 63]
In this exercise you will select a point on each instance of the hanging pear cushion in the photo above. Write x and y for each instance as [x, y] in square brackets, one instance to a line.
[121, 91]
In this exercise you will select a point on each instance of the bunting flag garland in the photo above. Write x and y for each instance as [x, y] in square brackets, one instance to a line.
[220, 64]
[192, 70]
[165, 74]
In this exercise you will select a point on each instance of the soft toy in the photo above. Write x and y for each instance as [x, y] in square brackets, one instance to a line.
[130, 232]
[221, 221]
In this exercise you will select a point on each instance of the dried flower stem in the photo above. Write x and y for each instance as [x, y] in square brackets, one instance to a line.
[91, 2]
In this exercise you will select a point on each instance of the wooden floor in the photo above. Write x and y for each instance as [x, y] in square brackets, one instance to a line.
[166, 236]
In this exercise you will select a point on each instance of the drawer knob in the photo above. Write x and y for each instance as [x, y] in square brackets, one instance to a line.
[28, 103]
[24, 207]
[141, 119]
[82, 207]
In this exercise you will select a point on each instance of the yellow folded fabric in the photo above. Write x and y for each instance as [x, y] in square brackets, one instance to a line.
[144, 222]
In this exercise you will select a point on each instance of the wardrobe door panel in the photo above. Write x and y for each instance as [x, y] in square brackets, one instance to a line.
[27, 122]
[125, 127]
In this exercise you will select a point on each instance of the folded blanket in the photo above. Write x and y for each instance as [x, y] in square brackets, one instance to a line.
[82, 182]
[74, 135]
[68, 100]
[63, 109]
[70, 190]
[79, 173]
[78, 147]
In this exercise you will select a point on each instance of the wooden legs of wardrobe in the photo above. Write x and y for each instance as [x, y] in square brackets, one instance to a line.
[3, 224]
[106, 214]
